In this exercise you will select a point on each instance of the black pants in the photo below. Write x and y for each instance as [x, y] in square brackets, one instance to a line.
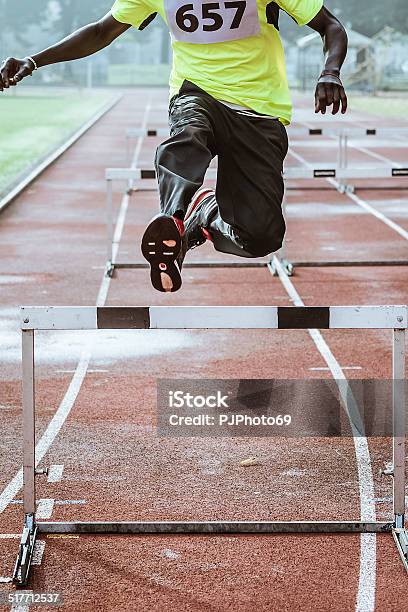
[249, 192]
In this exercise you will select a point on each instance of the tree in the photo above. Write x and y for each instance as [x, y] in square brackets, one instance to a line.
[72, 14]
[371, 16]
[69, 15]
[16, 16]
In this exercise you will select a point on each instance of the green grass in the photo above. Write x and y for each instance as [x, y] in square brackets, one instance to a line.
[33, 123]
[383, 106]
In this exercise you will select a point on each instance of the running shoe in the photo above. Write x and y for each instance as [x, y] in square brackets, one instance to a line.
[167, 240]
[161, 245]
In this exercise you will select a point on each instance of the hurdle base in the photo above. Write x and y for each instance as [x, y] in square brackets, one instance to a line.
[22, 567]
[401, 540]
[31, 529]
[213, 527]
[346, 188]
[288, 266]
[110, 269]
[245, 263]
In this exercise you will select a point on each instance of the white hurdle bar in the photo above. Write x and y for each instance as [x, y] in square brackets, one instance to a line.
[358, 132]
[393, 318]
[290, 173]
[342, 134]
[131, 175]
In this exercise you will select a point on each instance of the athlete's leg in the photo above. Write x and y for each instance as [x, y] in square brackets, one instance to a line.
[250, 186]
[244, 217]
[181, 163]
[182, 160]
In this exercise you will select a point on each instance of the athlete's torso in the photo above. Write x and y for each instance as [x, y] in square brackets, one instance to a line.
[230, 48]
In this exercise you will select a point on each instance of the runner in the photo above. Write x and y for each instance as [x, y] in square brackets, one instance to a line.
[228, 97]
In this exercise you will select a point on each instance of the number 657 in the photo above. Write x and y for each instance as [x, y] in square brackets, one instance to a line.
[189, 22]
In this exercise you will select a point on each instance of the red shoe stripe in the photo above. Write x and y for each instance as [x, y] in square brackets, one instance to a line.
[207, 234]
[180, 225]
[196, 202]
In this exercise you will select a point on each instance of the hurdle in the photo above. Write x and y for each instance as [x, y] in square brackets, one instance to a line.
[393, 318]
[342, 134]
[357, 132]
[135, 175]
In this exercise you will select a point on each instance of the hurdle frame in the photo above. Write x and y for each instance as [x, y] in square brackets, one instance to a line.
[393, 318]
[342, 134]
[131, 175]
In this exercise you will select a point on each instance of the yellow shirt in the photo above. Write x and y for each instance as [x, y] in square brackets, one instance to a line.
[226, 48]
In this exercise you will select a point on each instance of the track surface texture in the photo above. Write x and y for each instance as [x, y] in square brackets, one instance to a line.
[114, 465]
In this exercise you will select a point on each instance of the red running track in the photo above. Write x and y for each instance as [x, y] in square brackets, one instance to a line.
[52, 251]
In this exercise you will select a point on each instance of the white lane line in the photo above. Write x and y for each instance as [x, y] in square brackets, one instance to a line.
[89, 370]
[11, 490]
[362, 203]
[342, 367]
[44, 508]
[120, 222]
[55, 473]
[34, 174]
[70, 502]
[366, 588]
[19, 608]
[380, 216]
[10, 536]
[57, 502]
[61, 415]
[362, 125]
[373, 154]
[38, 553]
[62, 536]
[365, 600]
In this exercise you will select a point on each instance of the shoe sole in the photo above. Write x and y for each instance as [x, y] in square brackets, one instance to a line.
[161, 244]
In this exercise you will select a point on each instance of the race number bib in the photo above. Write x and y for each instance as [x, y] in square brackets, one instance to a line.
[203, 22]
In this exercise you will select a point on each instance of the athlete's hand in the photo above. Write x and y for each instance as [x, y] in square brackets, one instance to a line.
[14, 70]
[330, 92]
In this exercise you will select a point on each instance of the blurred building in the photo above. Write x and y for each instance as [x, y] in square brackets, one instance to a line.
[359, 69]
[391, 57]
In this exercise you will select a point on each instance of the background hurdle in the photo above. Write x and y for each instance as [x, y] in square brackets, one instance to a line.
[394, 318]
[131, 175]
[343, 135]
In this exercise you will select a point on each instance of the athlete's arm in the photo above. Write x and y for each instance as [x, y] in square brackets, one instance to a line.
[85, 41]
[330, 90]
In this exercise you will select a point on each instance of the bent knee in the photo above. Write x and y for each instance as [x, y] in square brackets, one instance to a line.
[262, 244]
[257, 249]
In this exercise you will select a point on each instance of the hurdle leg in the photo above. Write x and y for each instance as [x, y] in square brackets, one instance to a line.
[281, 254]
[26, 550]
[28, 421]
[128, 160]
[340, 151]
[398, 401]
[341, 156]
[399, 423]
[109, 227]
[349, 188]
[345, 161]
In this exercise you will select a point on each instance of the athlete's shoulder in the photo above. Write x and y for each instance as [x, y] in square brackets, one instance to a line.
[302, 11]
[135, 12]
